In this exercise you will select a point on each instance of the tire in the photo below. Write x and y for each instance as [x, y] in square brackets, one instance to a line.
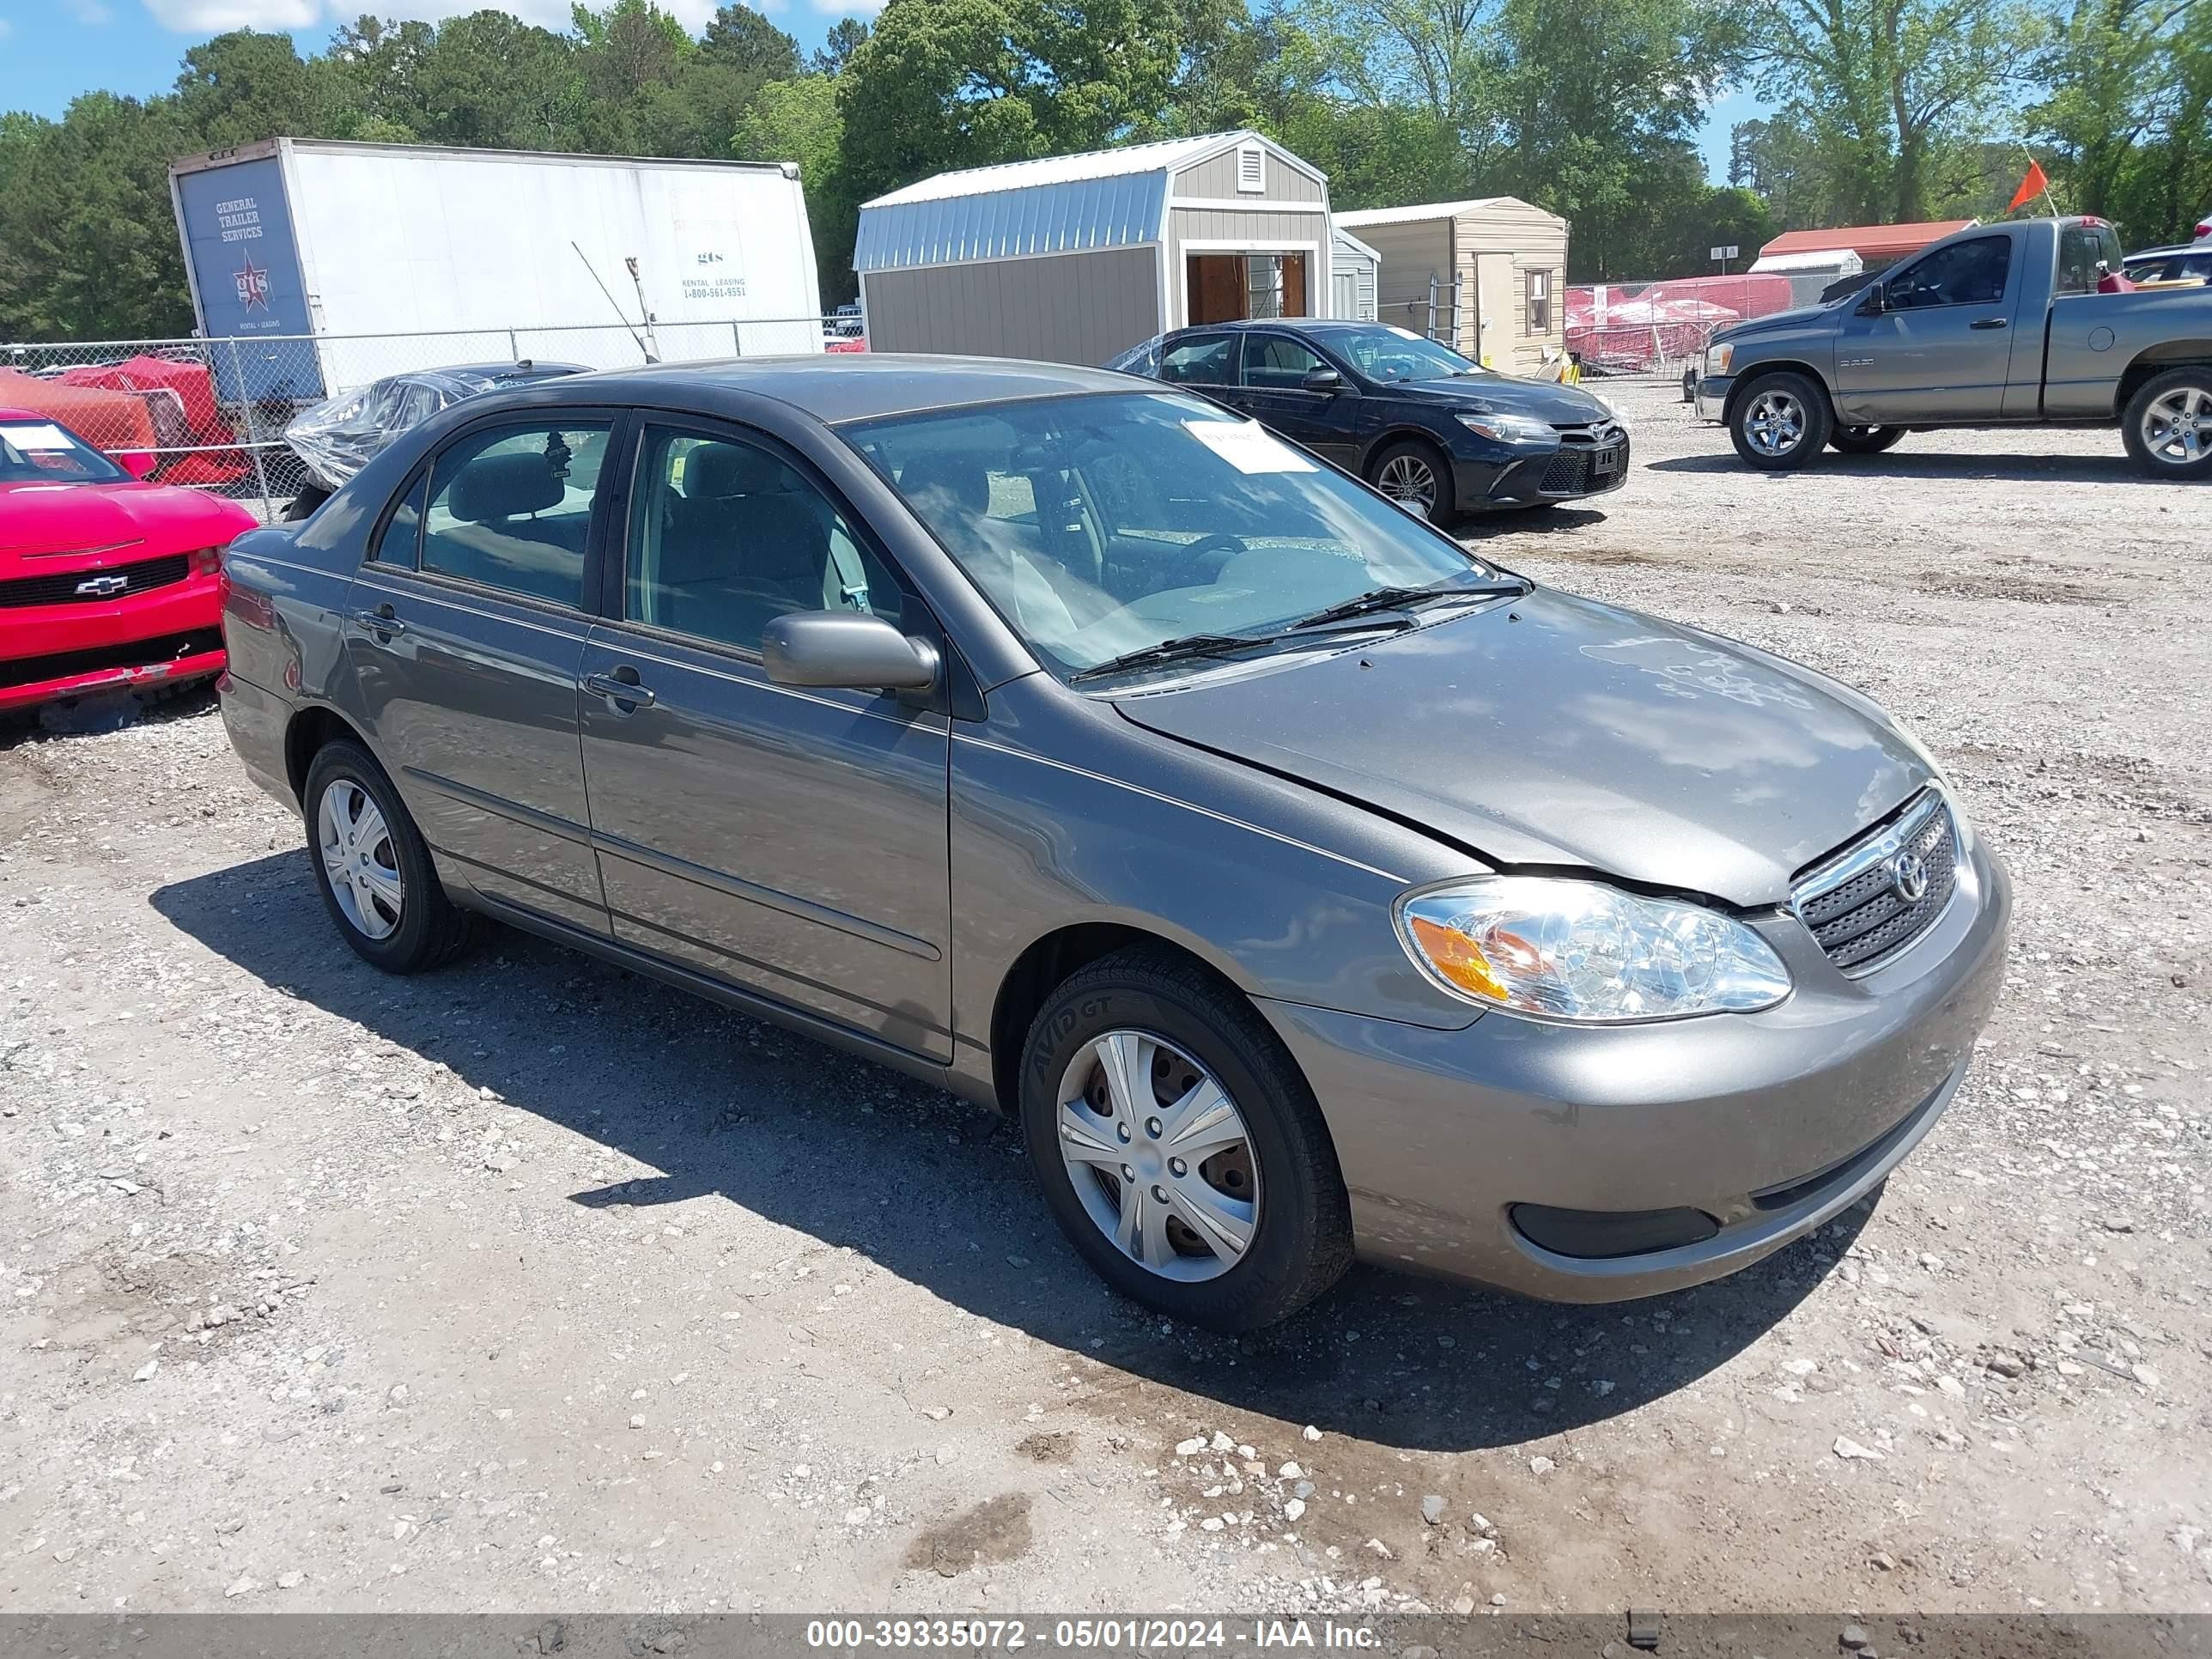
[428, 929]
[1300, 1238]
[304, 504]
[1779, 422]
[1865, 440]
[1395, 469]
[2167, 425]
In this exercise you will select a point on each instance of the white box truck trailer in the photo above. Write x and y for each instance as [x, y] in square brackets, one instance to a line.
[333, 265]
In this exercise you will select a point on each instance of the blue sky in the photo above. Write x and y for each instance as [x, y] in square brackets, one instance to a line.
[52, 50]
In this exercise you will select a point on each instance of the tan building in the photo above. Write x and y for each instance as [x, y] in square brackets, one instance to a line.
[1486, 276]
[1075, 258]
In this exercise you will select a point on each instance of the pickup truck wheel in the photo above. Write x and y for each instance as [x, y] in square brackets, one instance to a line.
[2168, 424]
[1865, 440]
[1780, 422]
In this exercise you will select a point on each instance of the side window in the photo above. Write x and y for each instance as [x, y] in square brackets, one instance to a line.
[725, 537]
[1965, 274]
[1277, 363]
[2079, 250]
[510, 507]
[397, 544]
[1209, 360]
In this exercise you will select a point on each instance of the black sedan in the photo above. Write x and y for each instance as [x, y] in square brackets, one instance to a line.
[1435, 431]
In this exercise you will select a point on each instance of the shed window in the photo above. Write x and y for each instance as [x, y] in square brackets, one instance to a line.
[1540, 301]
[1251, 167]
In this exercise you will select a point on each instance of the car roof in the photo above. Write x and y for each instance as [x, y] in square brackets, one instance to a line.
[1297, 325]
[2168, 253]
[837, 387]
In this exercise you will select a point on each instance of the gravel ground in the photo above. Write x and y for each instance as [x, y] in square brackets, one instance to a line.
[533, 1285]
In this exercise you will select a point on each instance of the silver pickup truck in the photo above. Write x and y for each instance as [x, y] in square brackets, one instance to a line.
[2001, 325]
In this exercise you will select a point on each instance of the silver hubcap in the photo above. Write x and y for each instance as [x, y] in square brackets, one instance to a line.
[2178, 427]
[359, 858]
[1775, 424]
[1158, 1155]
[1411, 481]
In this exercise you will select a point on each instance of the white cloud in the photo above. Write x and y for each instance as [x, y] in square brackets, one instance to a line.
[212, 16]
[90, 11]
[6, 28]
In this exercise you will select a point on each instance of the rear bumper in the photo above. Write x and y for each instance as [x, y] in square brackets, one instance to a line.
[1758, 1128]
[256, 721]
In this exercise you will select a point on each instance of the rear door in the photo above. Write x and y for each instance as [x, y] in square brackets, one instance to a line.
[1941, 348]
[791, 842]
[465, 631]
[1205, 363]
[1275, 367]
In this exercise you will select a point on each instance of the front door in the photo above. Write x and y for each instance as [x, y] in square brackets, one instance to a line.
[794, 843]
[465, 631]
[1941, 347]
[1275, 368]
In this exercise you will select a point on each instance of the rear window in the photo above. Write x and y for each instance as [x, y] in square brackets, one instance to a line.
[2081, 249]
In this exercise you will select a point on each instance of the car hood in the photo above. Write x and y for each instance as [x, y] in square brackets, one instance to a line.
[1773, 322]
[49, 518]
[1559, 405]
[1557, 731]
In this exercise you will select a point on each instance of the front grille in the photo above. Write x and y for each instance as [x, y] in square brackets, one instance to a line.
[131, 653]
[1859, 904]
[60, 588]
[1572, 470]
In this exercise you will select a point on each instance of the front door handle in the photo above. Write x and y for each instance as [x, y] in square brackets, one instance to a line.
[1988, 322]
[379, 621]
[620, 687]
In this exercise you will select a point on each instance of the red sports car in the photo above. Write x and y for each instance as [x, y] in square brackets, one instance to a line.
[105, 580]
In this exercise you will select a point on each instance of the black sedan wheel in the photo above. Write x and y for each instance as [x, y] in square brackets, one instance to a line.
[1416, 476]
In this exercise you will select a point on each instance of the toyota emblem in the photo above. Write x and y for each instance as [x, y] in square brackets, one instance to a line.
[1908, 874]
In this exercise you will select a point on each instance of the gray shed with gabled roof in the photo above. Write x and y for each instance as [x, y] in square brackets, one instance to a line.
[1074, 258]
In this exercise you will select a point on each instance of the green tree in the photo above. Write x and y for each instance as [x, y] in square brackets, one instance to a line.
[798, 121]
[1883, 87]
[2108, 77]
[847, 36]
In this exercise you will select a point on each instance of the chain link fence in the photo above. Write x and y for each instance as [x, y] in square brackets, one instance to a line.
[1659, 331]
[211, 414]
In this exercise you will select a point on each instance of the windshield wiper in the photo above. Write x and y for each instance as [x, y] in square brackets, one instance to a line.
[1393, 599]
[1174, 650]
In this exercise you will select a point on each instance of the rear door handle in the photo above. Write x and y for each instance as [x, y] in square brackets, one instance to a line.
[379, 621]
[1988, 322]
[620, 687]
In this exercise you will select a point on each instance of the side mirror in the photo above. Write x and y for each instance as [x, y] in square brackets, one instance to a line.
[1322, 380]
[137, 463]
[847, 650]
[1876, 301]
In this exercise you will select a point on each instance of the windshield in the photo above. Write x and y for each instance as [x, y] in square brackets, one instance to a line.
[39, 451]
[1101, 524]
[1384, 353]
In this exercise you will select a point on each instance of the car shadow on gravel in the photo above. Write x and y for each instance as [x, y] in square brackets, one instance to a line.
[939, 1192]
[1904, 462]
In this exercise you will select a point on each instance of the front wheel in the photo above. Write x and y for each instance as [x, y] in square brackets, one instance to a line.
[1779, 422]
[1178, 1147]
[1865, 440]
[2167, 426]
[1417, 476]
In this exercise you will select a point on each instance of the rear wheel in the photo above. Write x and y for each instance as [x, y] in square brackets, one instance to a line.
[2167, 425]
[1865, 440]
[372, 868]
[1779, 422]
[1178, 1147]
[1416, 476]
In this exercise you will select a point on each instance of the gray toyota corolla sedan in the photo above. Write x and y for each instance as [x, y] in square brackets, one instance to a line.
[1307, 886]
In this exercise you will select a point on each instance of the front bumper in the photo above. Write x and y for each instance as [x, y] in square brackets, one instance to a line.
[1561, 473]
[162, 637]
[1712, 395]
[1769, 1124]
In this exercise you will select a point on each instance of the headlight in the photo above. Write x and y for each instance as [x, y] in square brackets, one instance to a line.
[1717, 359]
[1583, 951]
[1510, 428]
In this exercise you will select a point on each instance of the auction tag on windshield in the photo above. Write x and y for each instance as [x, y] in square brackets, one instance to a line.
[30, 438]
[1247, 446]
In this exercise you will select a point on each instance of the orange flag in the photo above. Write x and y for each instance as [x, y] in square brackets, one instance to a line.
[2030, 187]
